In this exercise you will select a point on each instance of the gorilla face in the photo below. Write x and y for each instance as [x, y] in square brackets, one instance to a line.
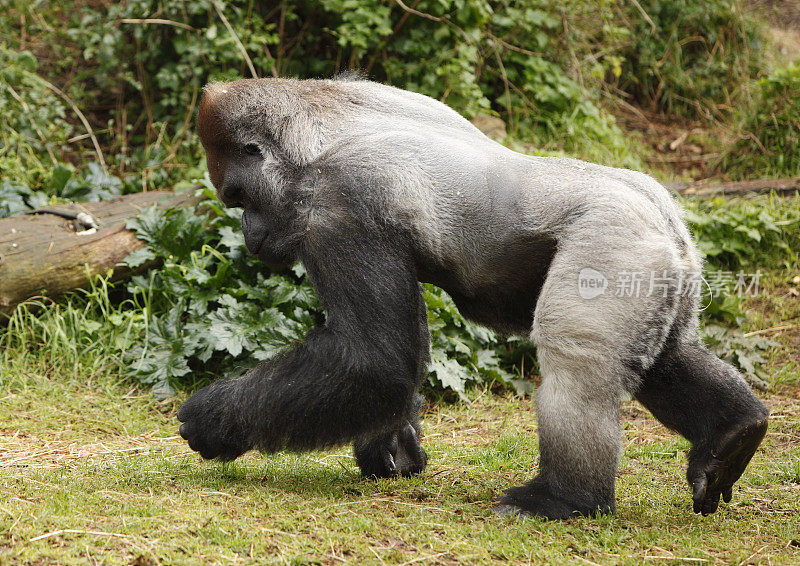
[248, 171]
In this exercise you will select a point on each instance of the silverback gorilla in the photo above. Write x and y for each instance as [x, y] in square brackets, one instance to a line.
[375, 189]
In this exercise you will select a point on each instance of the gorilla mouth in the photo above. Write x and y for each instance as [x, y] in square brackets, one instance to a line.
[254, 232]
[256, 249]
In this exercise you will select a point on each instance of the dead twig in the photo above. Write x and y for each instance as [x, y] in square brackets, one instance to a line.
[513, 47]
[79, 532]
[677, 142]
[505, 87]
[683, 158]
[647, 18]
[418, 13]
[771, 329]
[158, 21]
[788, 185]
[186, 122]
[442, 19]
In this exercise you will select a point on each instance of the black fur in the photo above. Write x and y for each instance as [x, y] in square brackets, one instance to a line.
[356, 376]
[555, 499]
[393, 453]
[507, 304]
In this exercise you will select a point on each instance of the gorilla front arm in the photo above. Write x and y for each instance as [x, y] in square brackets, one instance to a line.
[352, 379]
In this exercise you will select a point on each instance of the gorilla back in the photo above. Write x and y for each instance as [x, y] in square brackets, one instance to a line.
[375, 189]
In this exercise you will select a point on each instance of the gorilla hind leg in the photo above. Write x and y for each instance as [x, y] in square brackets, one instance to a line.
[579, 441]
[704, 399]
[588, 348]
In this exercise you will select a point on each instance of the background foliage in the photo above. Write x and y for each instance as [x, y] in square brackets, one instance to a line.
[549, 70]
[692, 58]
[770, 129]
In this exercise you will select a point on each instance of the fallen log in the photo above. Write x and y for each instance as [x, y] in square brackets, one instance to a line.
[736, 188]
[47, 251]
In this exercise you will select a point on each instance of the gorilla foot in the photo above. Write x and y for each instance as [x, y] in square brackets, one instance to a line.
[538, 499]
[396, 453]
[209, 427]
[715, 466]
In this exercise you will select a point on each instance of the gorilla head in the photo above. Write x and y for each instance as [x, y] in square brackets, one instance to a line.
[375, 189]
[250, 166]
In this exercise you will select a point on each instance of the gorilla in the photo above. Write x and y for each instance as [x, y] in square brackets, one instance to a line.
[376, 189]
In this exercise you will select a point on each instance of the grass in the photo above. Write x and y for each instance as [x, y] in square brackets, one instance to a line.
[776, 314]
[93, 472]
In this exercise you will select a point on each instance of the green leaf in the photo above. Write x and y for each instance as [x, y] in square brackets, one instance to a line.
[139, 257]
[61, 174]
[450, 374]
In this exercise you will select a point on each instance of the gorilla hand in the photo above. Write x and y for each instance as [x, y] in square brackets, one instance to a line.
[211, 423]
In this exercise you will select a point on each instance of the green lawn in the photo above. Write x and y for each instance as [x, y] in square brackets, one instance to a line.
[93, 472]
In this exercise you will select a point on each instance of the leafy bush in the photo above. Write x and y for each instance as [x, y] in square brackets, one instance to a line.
[65, 184]
[34, 145]
[734, 234]
[34, 131]
[137, 66]
[769, 144]
[140, 65]
[211, 309]
[690, 57]
[736, 237]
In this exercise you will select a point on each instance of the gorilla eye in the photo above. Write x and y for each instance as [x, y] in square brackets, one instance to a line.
[252, 149]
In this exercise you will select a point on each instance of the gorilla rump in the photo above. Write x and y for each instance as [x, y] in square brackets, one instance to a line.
[375, 189]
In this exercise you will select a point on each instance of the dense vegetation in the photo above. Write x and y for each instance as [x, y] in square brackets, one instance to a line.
[100, 101]
[770, 140]
[553, 72]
